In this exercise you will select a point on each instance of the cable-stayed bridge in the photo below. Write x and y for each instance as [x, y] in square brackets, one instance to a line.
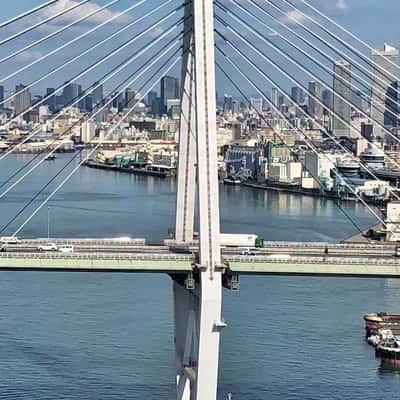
[251, 44]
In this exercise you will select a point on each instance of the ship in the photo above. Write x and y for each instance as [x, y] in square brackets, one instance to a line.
[348, 167]
[375, 322]
[389, 352]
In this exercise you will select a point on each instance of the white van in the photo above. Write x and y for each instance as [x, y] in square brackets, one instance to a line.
[66, 248]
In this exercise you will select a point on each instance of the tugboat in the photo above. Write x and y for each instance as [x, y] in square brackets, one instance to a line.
[389, 352]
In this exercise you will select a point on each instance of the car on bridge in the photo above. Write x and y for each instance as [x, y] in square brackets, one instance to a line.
[47, 247]
[247, 251]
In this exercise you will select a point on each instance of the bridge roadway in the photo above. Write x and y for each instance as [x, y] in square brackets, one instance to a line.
[276, 258]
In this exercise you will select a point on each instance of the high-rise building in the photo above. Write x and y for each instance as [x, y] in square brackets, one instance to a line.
[384, 88]
[327, 99]
[70, 93]
[51, 101]
[275, 97]
[151, 97]
[342, 99]
[169, 89]
[235, 107]
[22, 100]
[297, 95]
[227, 106]
[257, 104]
[97, 94]
[315, 108]
[130, 96]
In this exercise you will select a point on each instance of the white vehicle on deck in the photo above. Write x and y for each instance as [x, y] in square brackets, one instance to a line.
[67, 248]
[9, 240]
[47, 247]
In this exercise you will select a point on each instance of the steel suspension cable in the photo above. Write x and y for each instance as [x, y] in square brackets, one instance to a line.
[125, 116]
[147, 65]
[347, 45]
[303, 68]
[66, 165]
[89, 90]
[93, 65]
[341, 27]
[261, 93]
[320, 126]
[356, 77]
[114, 71]
[361, 68]
[40, 23]
[27, 13]
[241, 92]
[86, 71]
[78, 38]
[58, 31]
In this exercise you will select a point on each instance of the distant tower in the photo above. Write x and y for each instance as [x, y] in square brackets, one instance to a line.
[342, 92]
[23, 100]
[169, 89]
[384, 88]
[315, 108]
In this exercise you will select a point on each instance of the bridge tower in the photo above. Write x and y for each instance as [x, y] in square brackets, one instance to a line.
[197, 307]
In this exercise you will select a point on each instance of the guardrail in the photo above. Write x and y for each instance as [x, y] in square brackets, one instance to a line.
[96, 256]
[87, 241]
[313, 260]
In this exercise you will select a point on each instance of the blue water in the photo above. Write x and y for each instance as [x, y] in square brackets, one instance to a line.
[109, 336]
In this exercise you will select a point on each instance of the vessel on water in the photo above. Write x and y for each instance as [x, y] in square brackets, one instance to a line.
[374, 322]
[232, 181]
[50, 157]
[389, 352]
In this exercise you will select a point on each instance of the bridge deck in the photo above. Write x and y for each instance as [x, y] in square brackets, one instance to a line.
[317, 266]
[96, 262]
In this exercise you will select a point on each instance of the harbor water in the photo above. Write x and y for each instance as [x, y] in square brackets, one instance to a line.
[110, 336]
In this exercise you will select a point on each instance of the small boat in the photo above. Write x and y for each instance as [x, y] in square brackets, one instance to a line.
[50, 157]
[232, 181]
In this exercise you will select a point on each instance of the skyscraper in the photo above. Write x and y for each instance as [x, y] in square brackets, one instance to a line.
[342, 98]
[22, 100]
[315, 108]
[384, 88]
[169, 89]
[51, 101]
[97, 94]
[297, 95]
[257, 104]
[227, 106]
[275, 97]
[70, 93]
[130, 95]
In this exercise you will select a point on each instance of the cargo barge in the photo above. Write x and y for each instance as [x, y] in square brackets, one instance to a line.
[374, 322]
[156, 172]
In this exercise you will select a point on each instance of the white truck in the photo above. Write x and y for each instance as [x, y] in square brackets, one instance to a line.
[9, 240]
[238, 240]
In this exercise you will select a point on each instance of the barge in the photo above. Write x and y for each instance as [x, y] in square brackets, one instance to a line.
[375, 322]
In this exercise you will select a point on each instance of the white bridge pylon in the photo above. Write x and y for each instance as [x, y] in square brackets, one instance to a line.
[198, 311]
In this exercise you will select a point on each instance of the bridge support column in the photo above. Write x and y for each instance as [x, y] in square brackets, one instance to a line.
[186, 316]
[198, 313]
[186, 174]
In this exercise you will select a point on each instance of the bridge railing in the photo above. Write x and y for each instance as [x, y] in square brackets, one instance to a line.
[97, 256]
[314, 260]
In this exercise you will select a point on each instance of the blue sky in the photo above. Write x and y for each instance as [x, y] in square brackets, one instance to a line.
[375, 21]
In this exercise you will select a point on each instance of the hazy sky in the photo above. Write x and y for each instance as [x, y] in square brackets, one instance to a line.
[375, 21]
